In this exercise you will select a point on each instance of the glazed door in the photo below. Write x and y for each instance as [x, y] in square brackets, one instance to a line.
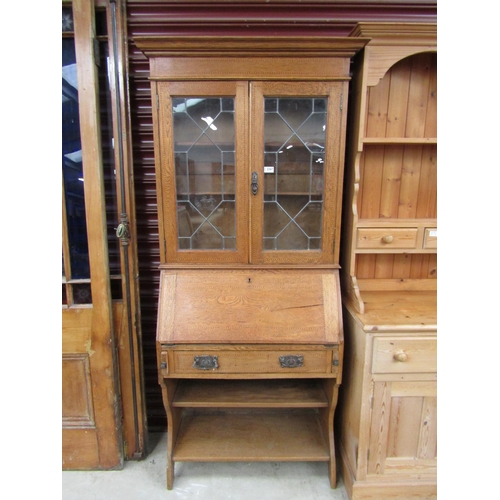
[297, 147]
[91, 423]
[203, 198]
[250, 172]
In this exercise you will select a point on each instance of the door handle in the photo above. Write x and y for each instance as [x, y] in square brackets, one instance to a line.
[255, 183]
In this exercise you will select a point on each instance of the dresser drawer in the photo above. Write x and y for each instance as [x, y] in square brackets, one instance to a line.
[404, 355]
[209, 362]
[386, 238]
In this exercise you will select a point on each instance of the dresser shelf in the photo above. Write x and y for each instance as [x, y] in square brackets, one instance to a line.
[399, 140]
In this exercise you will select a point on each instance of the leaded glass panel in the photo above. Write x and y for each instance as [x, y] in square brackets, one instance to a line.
[294, 152]
[204, 150]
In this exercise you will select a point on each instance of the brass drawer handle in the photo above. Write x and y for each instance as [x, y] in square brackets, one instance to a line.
[206, 362]
[401, 356]
[291, 361]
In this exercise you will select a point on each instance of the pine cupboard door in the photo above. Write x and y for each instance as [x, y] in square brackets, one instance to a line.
[403, 429]
[297, 149]
[202, 167]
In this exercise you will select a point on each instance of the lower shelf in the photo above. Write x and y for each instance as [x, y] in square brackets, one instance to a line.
[251, 436]
[269, 393]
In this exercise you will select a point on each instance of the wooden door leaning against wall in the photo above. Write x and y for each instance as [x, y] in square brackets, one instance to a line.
[103, 418]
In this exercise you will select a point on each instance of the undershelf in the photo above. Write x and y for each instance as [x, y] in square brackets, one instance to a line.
[283, 393]
[251, 437]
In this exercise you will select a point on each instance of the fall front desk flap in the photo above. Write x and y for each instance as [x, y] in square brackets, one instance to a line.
[249, 306]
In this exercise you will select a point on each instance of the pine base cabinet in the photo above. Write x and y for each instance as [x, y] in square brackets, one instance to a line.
[388, 411]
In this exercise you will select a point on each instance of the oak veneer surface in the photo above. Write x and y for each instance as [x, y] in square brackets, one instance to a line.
[249, 306]
[241, 437]
[288, 393]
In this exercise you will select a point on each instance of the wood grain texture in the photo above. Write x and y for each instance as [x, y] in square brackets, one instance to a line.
[399, 181]
[244, 437]
[420, 353]
[101, 447]
[387, 442]
[392, 42]
[266, 306]
[387, 438]
[421, 266]
[287, 393]
[379, 427]
[387, 238]
[265, 47]
[256, 68]
[239, 362]
[79, 449]
[399, 310]
[398, 173]
[77, 409]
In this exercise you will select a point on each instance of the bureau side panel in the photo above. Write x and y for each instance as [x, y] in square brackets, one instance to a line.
[354, 398]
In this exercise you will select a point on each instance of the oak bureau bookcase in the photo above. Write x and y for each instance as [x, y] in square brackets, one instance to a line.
[387, 423]
[249, 149]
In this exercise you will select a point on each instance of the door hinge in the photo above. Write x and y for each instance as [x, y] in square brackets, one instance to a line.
[157, 102]
[341, 102]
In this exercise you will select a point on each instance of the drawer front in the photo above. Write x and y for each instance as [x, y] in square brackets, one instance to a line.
[209, 362]
[386, 238]
[430, 237]
[405, 355]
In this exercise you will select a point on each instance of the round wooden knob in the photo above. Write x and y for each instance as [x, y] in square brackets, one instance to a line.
[400, 356]
[388, 239]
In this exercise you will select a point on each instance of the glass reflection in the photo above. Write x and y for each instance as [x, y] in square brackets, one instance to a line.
[72, 165]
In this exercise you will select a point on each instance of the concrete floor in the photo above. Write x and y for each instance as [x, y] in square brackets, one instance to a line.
[145, 479]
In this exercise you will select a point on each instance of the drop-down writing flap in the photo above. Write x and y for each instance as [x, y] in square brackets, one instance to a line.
[254, 306]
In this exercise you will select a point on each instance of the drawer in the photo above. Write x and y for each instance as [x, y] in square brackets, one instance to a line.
[405, 355]
[430, 237]
[386, 238]
[209, 362]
